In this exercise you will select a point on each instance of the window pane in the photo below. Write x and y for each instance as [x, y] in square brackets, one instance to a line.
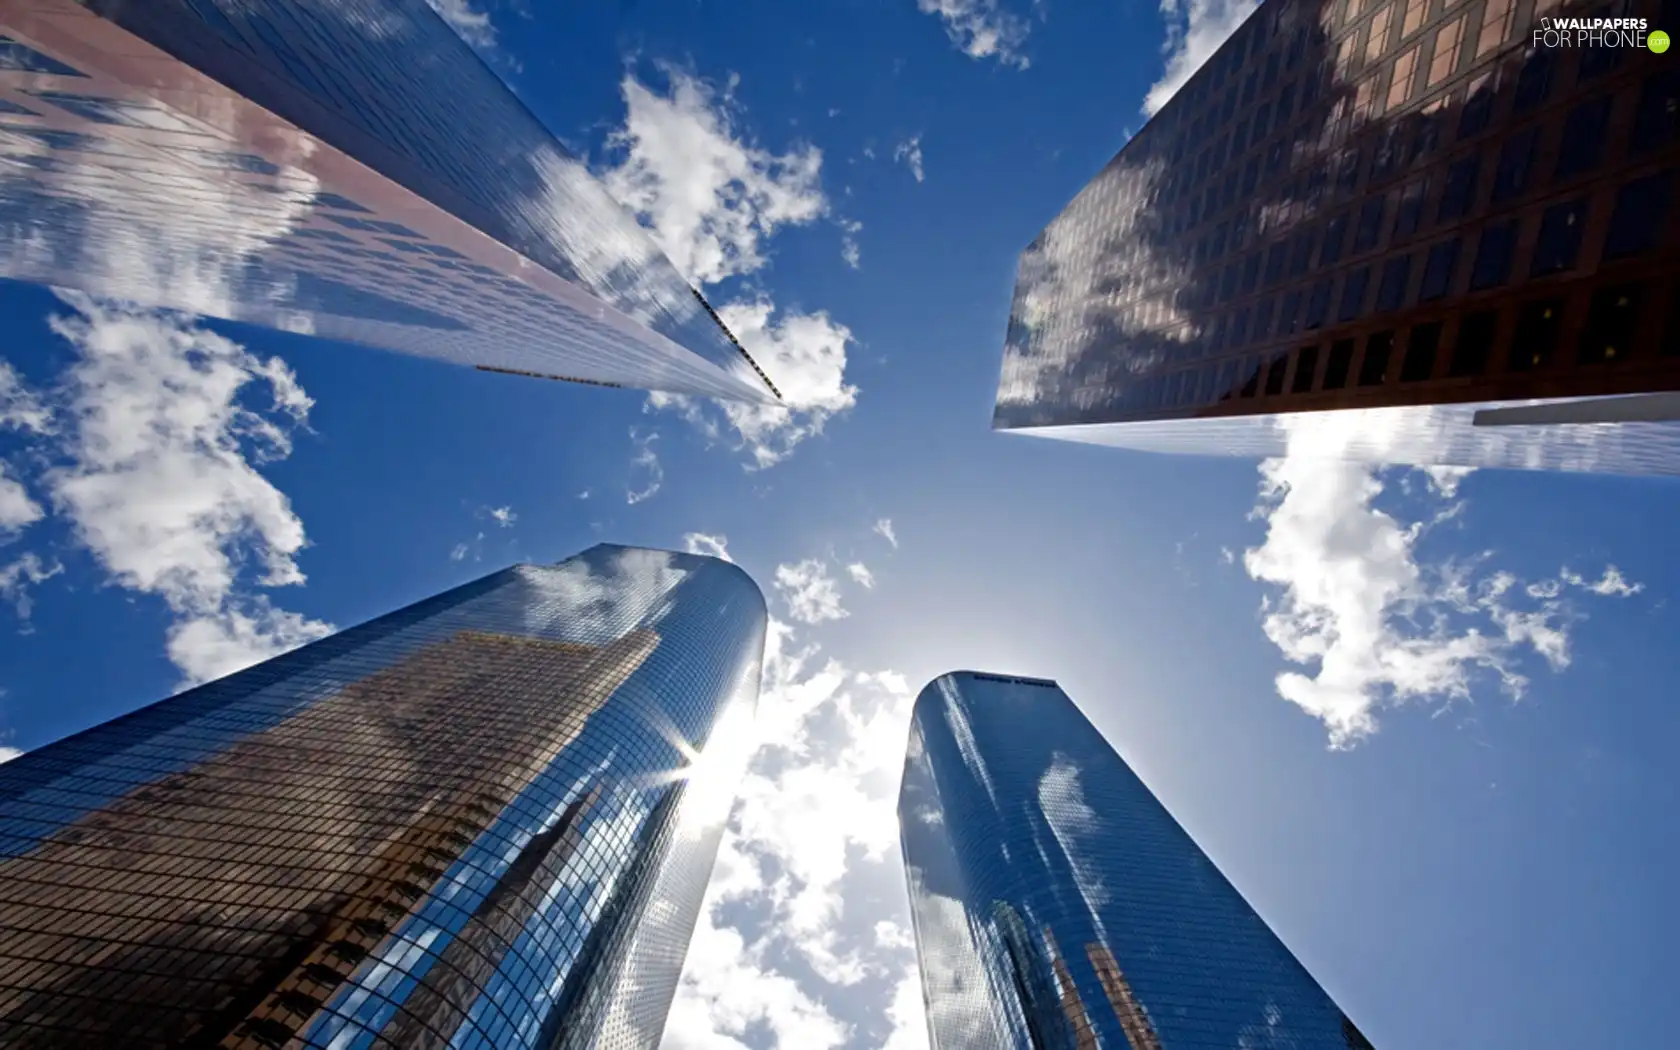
[1475, 344]
[1478, 105]
[1400, 85]
[1392, 293]
[1612, 322]
[1438, 270]
[1641, 212]
[1535, 339]
[1409, 214]
[1378, 349]
[1460, 189]
[1318, 305]
[1275, 375]
[1493, 256]
[1510, 178]
[1560, 237]
[1534, 80]
[1496, 25]
[1336, 367]
[1415, 10]
[1445, 60]
[1378, 40]
[1353, 294]
[1420, 353]
[1370, 224]
[1657, 119]
[1583, 138]
[1306, 363]
[1335, 234]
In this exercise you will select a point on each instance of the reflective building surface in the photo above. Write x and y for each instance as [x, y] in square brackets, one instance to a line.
[1058, 906]
[1394, 212]
[483, 821]
[348, 168]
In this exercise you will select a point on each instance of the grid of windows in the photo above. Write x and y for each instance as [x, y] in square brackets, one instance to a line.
[141, 167]
[1414, 162]
[457, 825]
[1057, 904]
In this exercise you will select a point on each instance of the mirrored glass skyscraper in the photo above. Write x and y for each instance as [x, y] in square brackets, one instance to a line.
[1415, 231]
[347, 168]
[483, 821]
[1058, 906]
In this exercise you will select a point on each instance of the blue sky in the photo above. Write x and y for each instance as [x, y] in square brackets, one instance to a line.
[1422, 721]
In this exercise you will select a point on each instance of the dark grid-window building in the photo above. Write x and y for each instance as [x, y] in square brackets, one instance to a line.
[1058, 906]
[485, 820]
[1396, 206]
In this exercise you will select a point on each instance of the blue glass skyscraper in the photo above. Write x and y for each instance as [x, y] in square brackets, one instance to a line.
[347, 168]
[483, 821]
[1057, 904]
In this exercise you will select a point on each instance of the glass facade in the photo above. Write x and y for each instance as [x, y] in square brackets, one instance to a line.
[1370, 204]
[1058, 906]
[483, 821]
[347, 168]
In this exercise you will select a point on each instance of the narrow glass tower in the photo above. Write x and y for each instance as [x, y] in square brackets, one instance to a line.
[1058, 905]
[485, 820]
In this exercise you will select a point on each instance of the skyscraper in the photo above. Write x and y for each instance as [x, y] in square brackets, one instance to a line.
[348, 168]
[1058, 906]
[1375, 226]
[485, 820]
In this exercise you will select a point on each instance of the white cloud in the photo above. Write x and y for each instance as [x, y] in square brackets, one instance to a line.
[8, 753]
[1227, 556]
[469, 24]
[702, 543]
[646, 475]
[910, 152]
[22, 574]
[710, 197]
[459, 552]
[17, 510]
[712, 201]
[1195, 29]
[810, 592]
[20, 407]
[884, 529]
[1381, 627]
[981, 29]
[160, 485]
[814, 824]
[850, 252]
[860, 574]
[504, 516]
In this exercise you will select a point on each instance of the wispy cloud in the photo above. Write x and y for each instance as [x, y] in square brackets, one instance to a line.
[909, 153]
[17, 578]
[702, 543]
[850, 252]
[884, 529]
[811, 594]
[469, 23]
[981, 29]
[503, 516]
[154, 405]
[1195, 29]
[1377, 625]
[860, 574]
[646, 475]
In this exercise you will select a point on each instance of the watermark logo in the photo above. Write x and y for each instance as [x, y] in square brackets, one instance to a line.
[1599, 32]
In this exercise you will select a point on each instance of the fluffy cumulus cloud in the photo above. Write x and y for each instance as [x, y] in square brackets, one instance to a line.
[710, 197]
[981, 29]
[159, 478]
[860, 574]
[713, 200]
[810, 591]
[1195, 29]
[1372, 621]
[794, 934]
[909, 153]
